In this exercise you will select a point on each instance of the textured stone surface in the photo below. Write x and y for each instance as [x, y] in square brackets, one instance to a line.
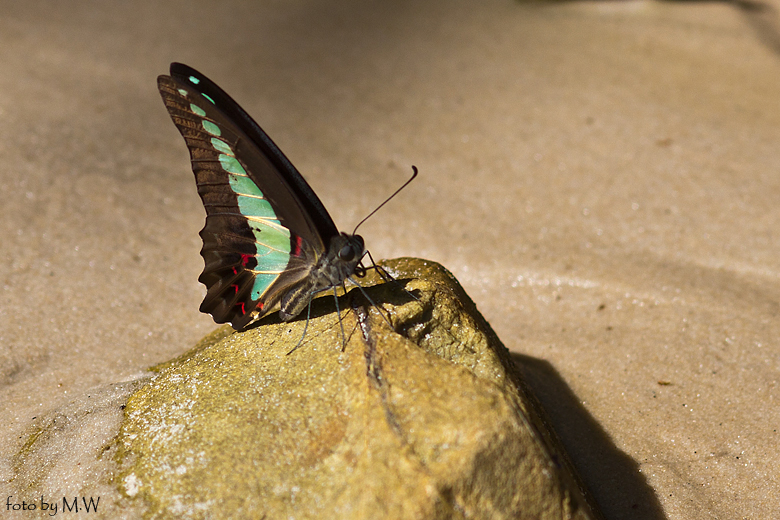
[423, 421]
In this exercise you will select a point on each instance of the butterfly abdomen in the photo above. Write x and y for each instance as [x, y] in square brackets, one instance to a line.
[296, 299]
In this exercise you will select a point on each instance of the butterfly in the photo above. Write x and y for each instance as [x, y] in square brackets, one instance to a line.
[267, 239]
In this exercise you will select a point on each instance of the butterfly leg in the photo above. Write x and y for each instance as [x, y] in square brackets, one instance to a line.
[384, 275]
[306, 326]
[341, 323]
[365, 294]
[308, 316]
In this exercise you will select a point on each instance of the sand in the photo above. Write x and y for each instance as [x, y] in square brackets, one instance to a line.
[602, 177]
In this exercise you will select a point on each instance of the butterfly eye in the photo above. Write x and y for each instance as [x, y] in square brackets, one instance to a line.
[347, 254]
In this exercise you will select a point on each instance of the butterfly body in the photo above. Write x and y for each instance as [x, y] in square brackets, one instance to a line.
[268, 239]
[338, 264]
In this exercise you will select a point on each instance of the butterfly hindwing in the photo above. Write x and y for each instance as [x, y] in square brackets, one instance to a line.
[265, 228]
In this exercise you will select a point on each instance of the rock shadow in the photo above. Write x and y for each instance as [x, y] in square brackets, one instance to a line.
[611, 476]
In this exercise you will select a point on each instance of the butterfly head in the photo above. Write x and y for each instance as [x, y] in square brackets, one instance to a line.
[352, 248]
[344, 254]
[347, 251]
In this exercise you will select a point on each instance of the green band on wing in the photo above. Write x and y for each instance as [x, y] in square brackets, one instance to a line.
[255, 207]
[221, 146]
[270, 234]
[205, 96]
[273, 255]
[196, 109]
[243, 185]
[211, 128]
[251, 201]
[183, 92]
[231, 164]
[272, 262]
[262, 282]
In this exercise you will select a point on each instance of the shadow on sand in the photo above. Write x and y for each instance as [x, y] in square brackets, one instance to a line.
[612, 477]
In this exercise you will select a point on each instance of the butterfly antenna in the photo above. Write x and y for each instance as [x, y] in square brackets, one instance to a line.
[414, 174]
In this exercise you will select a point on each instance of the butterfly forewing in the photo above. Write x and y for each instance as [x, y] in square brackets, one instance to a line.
[254, 199]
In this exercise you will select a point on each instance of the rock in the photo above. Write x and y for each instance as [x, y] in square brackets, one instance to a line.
[424, 419]
[427, 419]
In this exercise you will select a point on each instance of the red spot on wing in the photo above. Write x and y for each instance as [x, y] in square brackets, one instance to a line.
[297, 246]
[242, 306]
[245, 259]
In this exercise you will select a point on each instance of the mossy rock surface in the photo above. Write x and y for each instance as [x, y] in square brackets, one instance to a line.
[424, 419]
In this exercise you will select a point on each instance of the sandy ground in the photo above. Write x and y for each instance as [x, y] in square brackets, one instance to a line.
[603, 178]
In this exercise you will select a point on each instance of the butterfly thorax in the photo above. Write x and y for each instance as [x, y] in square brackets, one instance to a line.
[339, 263]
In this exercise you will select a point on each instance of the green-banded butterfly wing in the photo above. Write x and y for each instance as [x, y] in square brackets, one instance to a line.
[265, 228]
